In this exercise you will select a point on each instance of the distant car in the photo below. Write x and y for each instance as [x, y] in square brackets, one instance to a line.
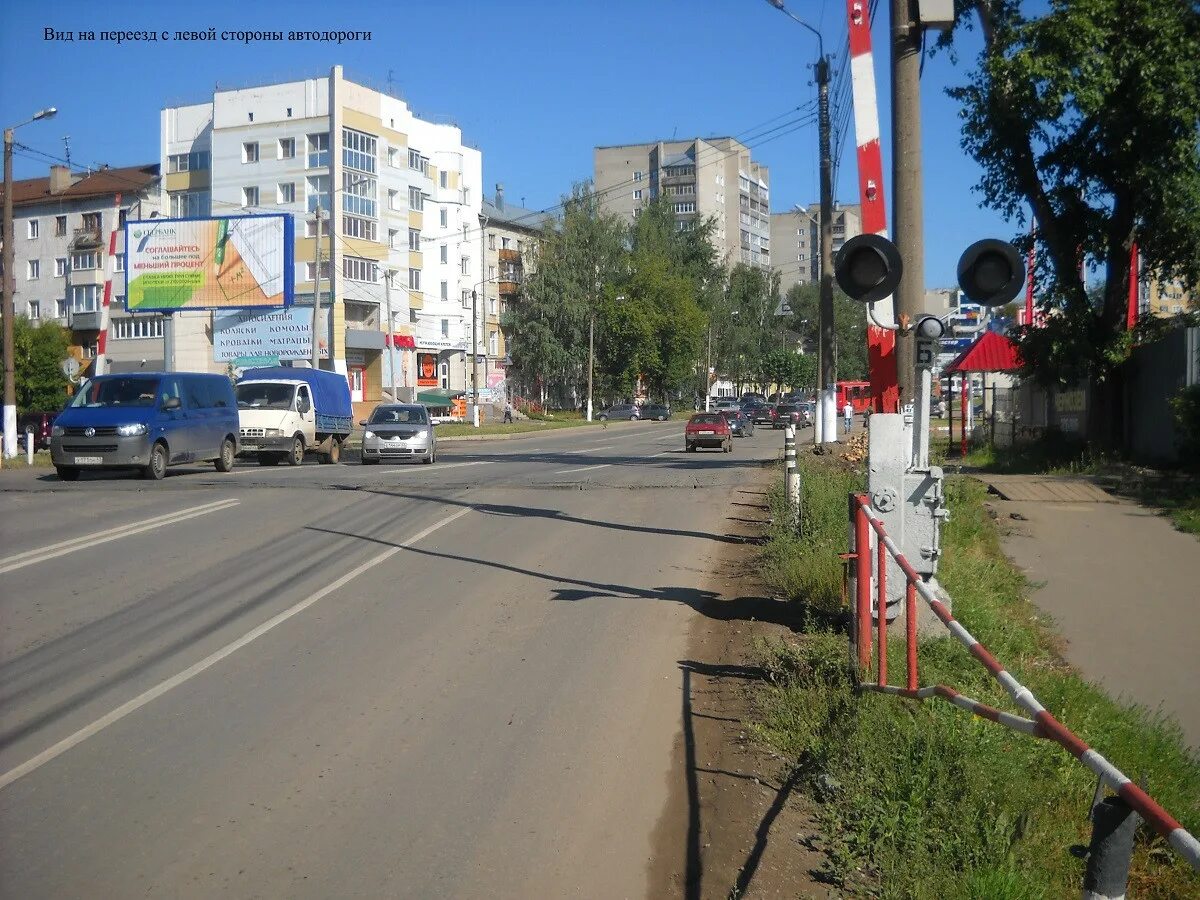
[707, 430]
[727, 404]
[789, 413]
[808, 411]
[752, 398]
[620, 411]
[39, 424]
[398, 431]
[761, 413]
[740, 424]
[659, 412]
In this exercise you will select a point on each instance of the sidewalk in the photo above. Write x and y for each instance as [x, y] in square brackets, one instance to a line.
[1122, 586]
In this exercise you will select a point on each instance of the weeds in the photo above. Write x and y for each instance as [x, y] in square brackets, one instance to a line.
[923, 799]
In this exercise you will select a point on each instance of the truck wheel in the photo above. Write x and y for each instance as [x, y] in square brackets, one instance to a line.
[157, 467]
[268, 459]
[225, 460]
[68, 473]
[295, 456]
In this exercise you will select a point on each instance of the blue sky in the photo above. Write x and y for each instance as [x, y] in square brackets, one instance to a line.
[536, 84]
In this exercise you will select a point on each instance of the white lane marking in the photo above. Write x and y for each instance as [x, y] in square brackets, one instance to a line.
[593, 449]
[410, 469]
[212, 659]
[664, 453]
[41, 554]
[584, 469]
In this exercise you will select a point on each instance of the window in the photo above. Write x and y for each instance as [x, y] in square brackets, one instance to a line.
[394, 238]
[316, 188]
[82, 261]
[444, 217]
[93, 221]
[416, 200]
[494, 343]
[466, 299]
[289, 112]
[85, 298]
[35, 309]
[189, 204]
[353, 226]
[287, 148]
[444, 253]
[139, 327]
[250, 117]
[491, 273]
[122, 217]
[417, 162]
[504, 242]
[310, 270]
[685, 207]
[491, 306]
[249, 196]
[60, 226]
[357, 269]
[89, 351]
[491, 241]
[250, 152]
[412, 315]
[465, 265]
[318, 151]
[34, 270]
[637, 195]
[414, 239]
[414, 279]
[358, 195]
[34, 227]
[285, 192]
[445, 290]
[60, 309]
[119, 262]
[445, 328]
[394, 157]
[519, 246]
[637, 176]
[394, 200]
[359, 150]
[60, 267]
[187, 162]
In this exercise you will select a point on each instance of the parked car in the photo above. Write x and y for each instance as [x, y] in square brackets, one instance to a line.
[808, 412]
[761, 413]
[146, 421]
[707, 429]
[620, 411]
[399, 431]
[740, 424]
[726, 404]
[38, 424]
[752, 398]
[658, 412]
[789, 413]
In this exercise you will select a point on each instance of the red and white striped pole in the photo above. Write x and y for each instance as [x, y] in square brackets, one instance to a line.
[110, 265]
[1131, 314]
[881, 342]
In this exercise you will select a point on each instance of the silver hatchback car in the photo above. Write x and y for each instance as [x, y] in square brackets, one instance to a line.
[398, 431]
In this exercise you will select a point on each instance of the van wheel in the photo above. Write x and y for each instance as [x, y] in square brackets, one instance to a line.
[268, 459]
[157, 467]
[295, 456]
[68, 473]
[225, 460]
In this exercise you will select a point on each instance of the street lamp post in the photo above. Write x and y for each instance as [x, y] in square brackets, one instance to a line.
[8, 308]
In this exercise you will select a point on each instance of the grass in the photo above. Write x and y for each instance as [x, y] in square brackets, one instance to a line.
[41, 460]
[519, 427]
[922, 800]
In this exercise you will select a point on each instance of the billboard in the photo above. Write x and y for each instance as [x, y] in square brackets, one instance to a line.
[230, 262]
[427, 369]
[277, 333]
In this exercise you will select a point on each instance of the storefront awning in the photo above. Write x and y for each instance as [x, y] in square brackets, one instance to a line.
[402, 341]
[437, 396]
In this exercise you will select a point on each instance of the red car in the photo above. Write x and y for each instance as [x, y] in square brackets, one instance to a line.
[707, 430]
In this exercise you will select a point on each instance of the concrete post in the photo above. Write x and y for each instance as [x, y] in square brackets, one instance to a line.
[791, 475]
[1114, 825]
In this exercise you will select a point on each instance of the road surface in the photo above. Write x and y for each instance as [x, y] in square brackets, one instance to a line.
[457, 680]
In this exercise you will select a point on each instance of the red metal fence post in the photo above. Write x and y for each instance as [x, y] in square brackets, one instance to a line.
[881, 604]
[910, 628]
[964, 397]
[862, 581]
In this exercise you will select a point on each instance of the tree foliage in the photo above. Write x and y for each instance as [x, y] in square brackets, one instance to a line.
[849, 324]
[1088, 115]
[38, 352]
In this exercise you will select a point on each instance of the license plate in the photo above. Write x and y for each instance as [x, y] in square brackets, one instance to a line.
[246, 446]
[708, 432]
[88, 460]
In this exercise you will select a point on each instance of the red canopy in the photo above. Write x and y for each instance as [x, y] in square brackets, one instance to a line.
[991, 352]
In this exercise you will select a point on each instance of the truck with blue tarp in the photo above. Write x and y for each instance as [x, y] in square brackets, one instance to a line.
[284, 413]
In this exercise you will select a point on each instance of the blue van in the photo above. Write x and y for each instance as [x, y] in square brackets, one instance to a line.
[146, 421]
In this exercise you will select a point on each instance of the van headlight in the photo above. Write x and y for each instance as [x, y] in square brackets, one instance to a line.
[368, 434]
[131, 430]
[56, 431]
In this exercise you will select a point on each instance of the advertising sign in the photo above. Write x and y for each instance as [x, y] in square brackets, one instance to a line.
[279, 333]
[427, 370]
[232, 262]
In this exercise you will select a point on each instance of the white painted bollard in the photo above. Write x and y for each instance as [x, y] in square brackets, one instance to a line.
[29, 447]
[791, 477]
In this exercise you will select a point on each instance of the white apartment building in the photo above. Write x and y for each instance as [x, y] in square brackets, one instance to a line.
[61, 229]
[796, 241]
[399, 195]
[701, 178]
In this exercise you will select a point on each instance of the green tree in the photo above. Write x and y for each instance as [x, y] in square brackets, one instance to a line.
[849, 327]
[38, 352]
[1088, 115]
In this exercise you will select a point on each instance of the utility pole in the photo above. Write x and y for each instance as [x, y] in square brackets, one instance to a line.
[390, 339]
[483, 220]
[591, 359]
[316, 319]
[10, 286]
[908, 210]
[827, 380]
[708, 368]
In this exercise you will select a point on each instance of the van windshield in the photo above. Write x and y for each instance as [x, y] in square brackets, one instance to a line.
[264, 395]
[116, 392]
[398, 415]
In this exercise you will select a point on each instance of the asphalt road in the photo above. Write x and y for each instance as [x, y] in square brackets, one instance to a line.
[456, 680]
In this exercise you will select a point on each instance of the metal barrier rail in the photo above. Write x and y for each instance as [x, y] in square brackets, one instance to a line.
[1041, 725]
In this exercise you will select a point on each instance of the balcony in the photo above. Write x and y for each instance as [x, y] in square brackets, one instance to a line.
[509, 256]
[85, 238]
[508, 288]
[83, 320]
[363, 326]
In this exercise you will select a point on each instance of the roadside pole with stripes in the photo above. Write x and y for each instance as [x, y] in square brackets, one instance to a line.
[791, 475]
[110, 265]
[881, 342]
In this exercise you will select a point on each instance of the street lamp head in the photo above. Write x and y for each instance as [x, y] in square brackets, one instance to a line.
[778, 4]
[48, 113]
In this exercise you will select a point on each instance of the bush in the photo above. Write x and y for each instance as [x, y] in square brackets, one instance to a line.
[1186, 406]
